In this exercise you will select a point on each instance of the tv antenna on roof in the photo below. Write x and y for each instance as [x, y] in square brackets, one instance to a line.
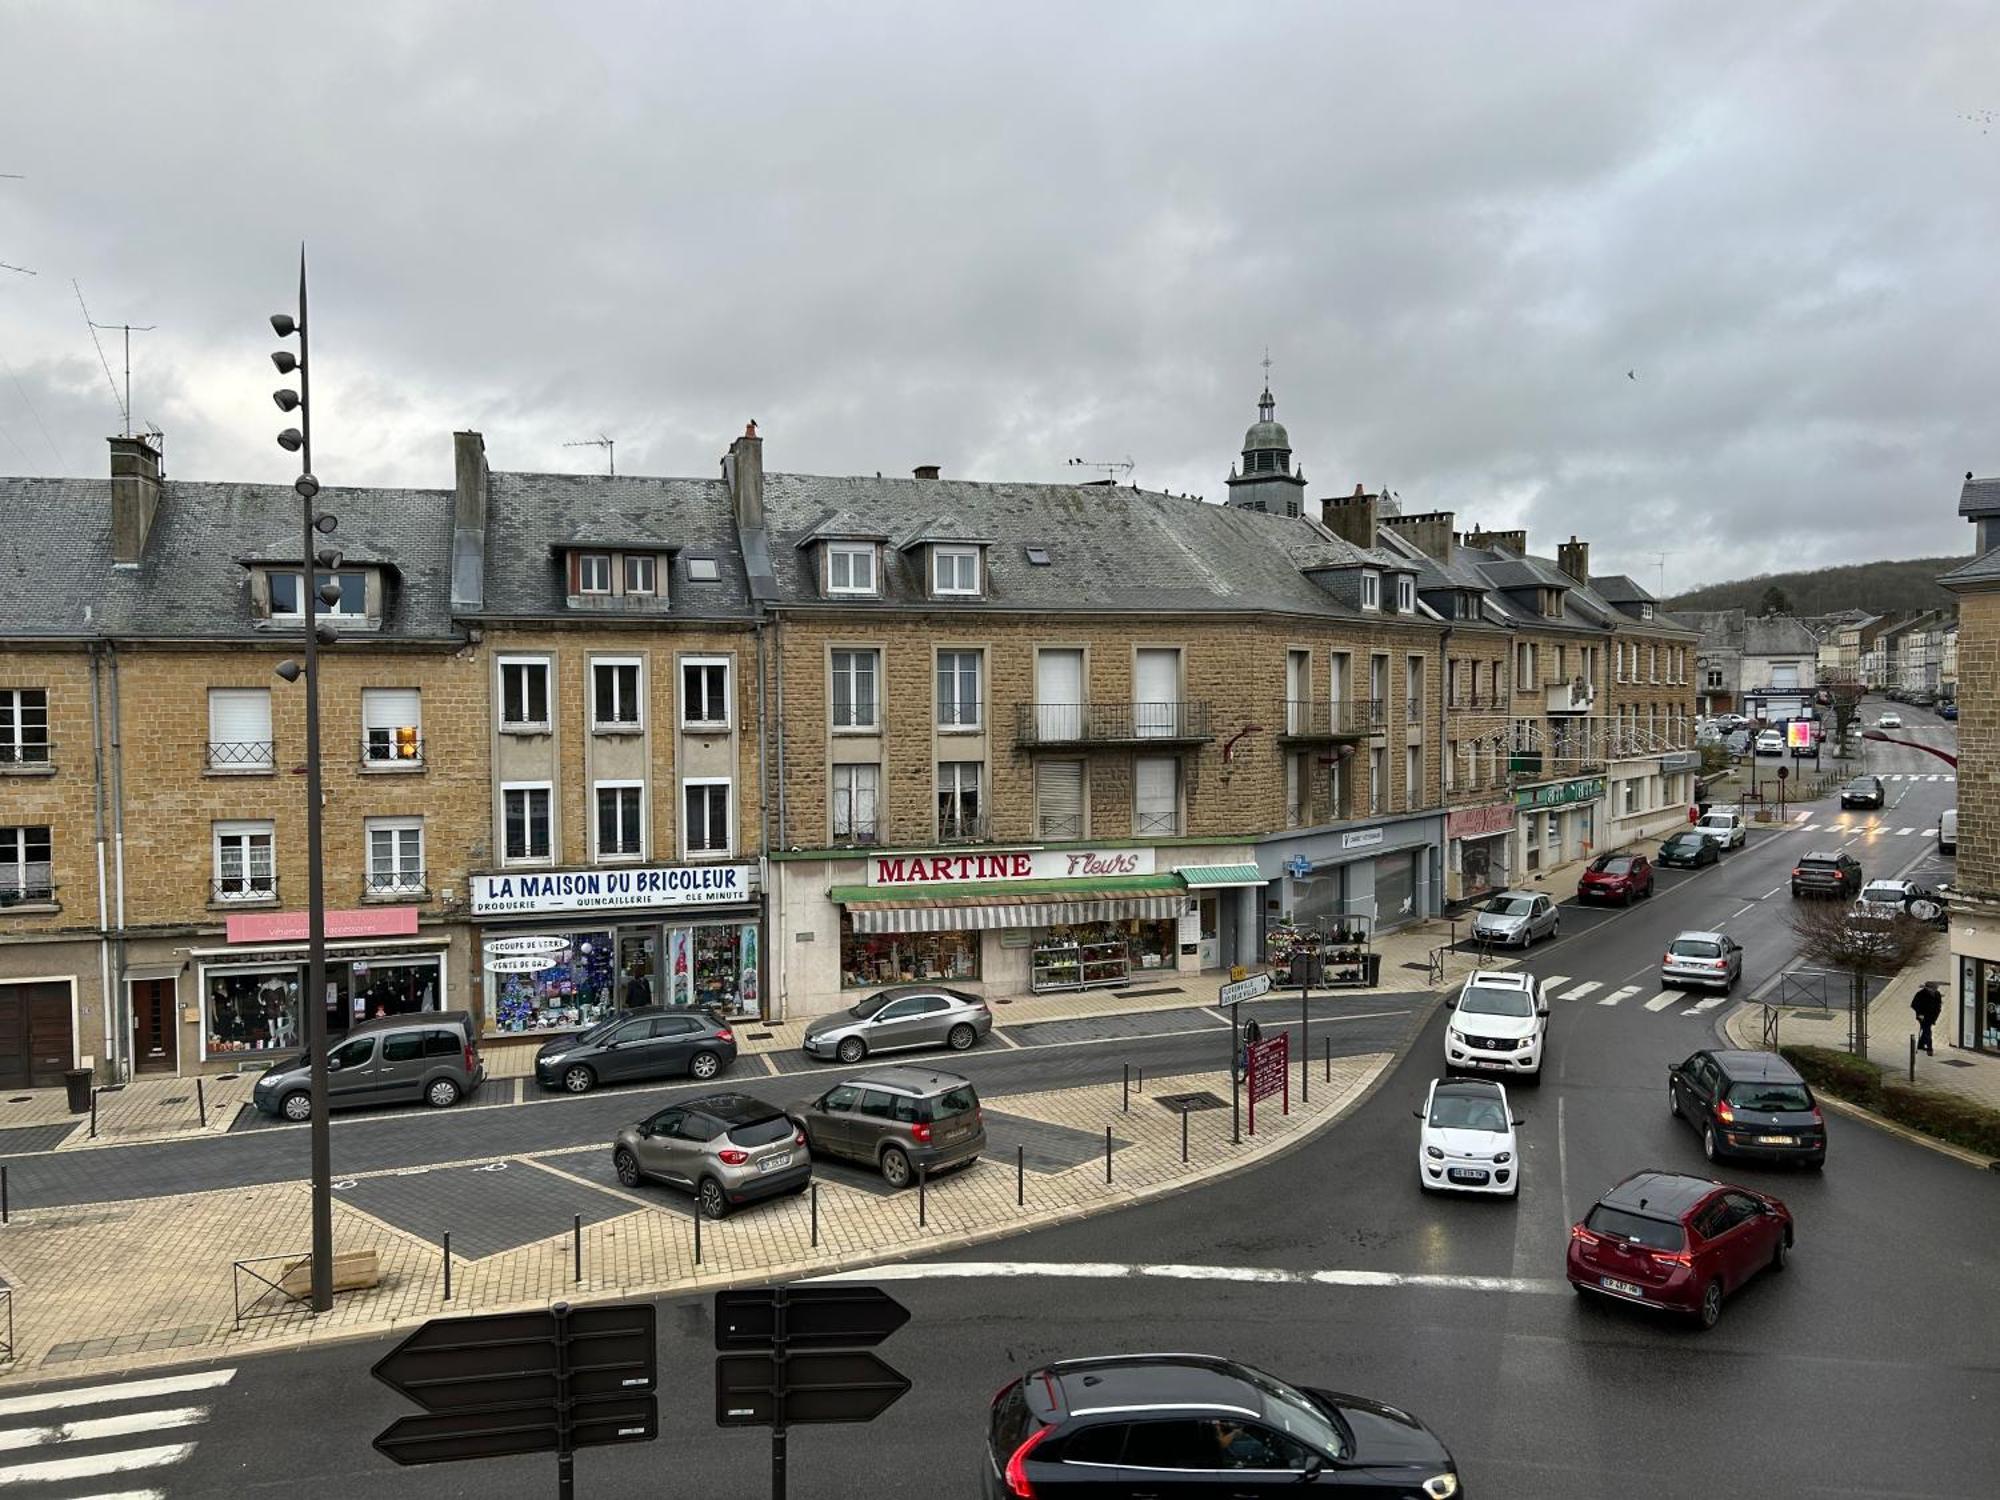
[607, 444]
[1661, 559]
[125, 401]
[1113, 472]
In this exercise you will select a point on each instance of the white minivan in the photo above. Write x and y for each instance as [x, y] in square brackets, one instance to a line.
[1948, 831]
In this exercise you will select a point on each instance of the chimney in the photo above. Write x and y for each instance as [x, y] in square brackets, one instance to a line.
[135, 497]
[744, 469]
[1430, 533]
[925, 471]
[1515, 542]
[470, 484]
[1351, 517]
[1573, 557]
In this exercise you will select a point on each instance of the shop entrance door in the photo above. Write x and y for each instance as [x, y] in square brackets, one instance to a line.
[639, 967]
[36, 1045]
[1210, 947]
[154, 1025]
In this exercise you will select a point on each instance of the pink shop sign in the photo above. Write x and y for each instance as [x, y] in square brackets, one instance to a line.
[290, 926]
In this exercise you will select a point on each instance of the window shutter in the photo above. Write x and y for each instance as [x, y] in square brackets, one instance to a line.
[391, 708]
[1157, 801]
[239, 716]
[1059, 799]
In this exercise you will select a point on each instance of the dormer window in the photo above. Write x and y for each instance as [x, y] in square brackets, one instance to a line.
[850, 567]
[1552, 603]
[603, 575]
[1645, 611]
[639, 573]
[955, 571]
[593, 572]
[285, 592]
[1371, 589]
[1406, 594]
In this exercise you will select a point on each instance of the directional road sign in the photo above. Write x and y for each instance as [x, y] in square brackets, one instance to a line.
[822, 1386]
[816, 1317]
[1243, 989]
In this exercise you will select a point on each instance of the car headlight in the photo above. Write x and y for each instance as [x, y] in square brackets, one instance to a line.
[1441, 1486]
[1456, 1038]
[1504, 1156]
[1433, 1153]
[554, 1057]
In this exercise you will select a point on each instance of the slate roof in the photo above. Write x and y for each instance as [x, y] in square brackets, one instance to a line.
[943, 529]
[1980, 570]
[530, 517]
[55, 558]
[1979, 497]
[1620, 589]
[1778, 635]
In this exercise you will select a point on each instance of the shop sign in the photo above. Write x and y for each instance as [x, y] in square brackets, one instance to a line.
[519, 947]
[1560, 793]
[290, 926]
[523, 963]
[1361, 838]
[1026, 864]
[1299, 867]
[1480, 822]
[536, 892]
[1681, 760]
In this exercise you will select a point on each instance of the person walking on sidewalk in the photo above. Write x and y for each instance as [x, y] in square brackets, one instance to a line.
[1928, 1005]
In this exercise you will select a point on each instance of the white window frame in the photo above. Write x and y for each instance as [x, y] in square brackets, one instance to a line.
[332, 613]
[706, 664]
[528, 726]
[873, 724]
[548, 791]
[1177, 818]
[956, 556]
[15, 748]
[1413, 784]
[598, 851]
[853, 553]
[588, 566]
[244, 830]
[956, 716]
[952, 787]
[1406, 594]
[688, 851]
[642, 563]
[873, 822]
[390, 761]
[635, 725]
[1378, 776]
[402, 881]
[1371, 589]
[264, 764]
[14, 871]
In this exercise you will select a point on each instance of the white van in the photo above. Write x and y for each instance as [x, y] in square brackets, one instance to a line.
[1948, 831]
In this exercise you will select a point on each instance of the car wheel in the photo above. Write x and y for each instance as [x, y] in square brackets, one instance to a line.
[1674, 1102]
[442, 1094]
[704, 1065]
[851, 1049]
[1628, 896]
[627, 1167]
[1711, 1304]
[711, 1200]
[1708, 1142]
[297, 1106]
[1924, 911]
[1781, 1253]
[1795, 893]
[578, 1079]
[1816, 1164]
[961, 1037]
[896, 1168]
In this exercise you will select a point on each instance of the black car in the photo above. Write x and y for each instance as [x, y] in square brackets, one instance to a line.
[1862, 791]
[1748, 1104]
[1688, 850]
[651, 1041]
[1188, 1424]
[1827, 872]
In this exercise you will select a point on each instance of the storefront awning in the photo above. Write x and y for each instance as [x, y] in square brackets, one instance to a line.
[979, 905]
[1212, 877]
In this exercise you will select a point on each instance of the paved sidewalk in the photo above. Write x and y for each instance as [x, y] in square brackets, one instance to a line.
[124, 1285]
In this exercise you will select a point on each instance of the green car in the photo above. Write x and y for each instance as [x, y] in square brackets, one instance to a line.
[1688, 850]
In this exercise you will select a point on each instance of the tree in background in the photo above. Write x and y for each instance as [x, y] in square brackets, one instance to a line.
[1840, 937]
[1843, 695]
[1774, 602]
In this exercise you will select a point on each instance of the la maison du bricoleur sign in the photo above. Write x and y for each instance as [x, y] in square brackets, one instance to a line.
[1024, 864]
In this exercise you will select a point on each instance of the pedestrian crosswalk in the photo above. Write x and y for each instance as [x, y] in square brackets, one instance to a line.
[1856, 825]
[104, 1442]
[1917, 776]
[1592, 991]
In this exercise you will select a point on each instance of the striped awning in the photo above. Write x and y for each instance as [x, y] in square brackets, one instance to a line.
[1212, 877]
[980, 905]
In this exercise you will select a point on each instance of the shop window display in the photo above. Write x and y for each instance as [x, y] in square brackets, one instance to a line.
[714, 965]
[579, 988]
[868, 959]
[253, 1011]
[1081, 955]
[393, 989]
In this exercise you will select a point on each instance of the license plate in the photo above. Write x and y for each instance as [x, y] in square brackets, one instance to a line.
[1466, 1174]
[1774, 1140]
[772, 1163]
[1610, 1284]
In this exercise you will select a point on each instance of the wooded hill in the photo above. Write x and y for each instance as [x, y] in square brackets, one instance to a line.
[1881, 588]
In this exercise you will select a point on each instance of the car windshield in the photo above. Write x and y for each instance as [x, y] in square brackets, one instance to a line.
[1510, 906]
[1695, 948]
[1292, 1411]
[1467, 1112]
[1681, 841]
[865, 1007]
[1770, 1096]
[1613, 865]
[761, 1132]
[1490, 1000]
[600, 1031]
[1863, 785]
[1654, 1234]
[1886, 895]
[1716, 820]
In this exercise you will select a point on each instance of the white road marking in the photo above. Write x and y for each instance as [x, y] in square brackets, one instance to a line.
[131, 1390]
[1708, 1004]
[770, 1068]
[1625, 993]
[1804, 817]
[92, 1429]
[1902, 833]
[1770, 893]
[1262, 1275]
[1000, 1036]
[1581, 990]
[128, 1495]
[1550, 981]
[90, 1468]
[1662, 1000]
[1752, 906]
[1562, 1158]
[1149, 1036]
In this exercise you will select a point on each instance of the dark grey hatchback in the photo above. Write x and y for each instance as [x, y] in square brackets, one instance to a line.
[1751, 1104]
[649, 1042]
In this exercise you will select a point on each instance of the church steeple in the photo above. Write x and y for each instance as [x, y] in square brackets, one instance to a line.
[1267, 481]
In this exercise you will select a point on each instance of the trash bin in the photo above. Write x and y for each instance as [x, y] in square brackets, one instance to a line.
[1372, 968]
[77, 1082]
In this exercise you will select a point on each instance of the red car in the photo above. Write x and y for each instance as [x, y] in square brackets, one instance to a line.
[1679, 1243]
[1616, 877]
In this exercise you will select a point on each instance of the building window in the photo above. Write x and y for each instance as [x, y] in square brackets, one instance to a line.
[392, 732]
[1406, 594]
[959, 808]
[1448, 767]
[857, 791]
[1413, 777]
[288, 600]
[614, 695]
[593, 572]
[706, 803]
[621, 819]
[1525, 680]
[1378, 777]
[639, 573]
[1156, 784]
[1298, 791]
[25, 866]
[24, 727]
[1059, 811]
[244, 868]
[239, 731]
[527, 816]
[1413, 691]
[958, 690]
[868, 959]
[703, 570]
[955, 570]
[1371, 589]
[705, 693]
[850, 567]
[854, 701]
[395, 856]
[524, 695]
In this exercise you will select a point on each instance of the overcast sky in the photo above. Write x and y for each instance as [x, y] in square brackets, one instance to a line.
[1000, 237]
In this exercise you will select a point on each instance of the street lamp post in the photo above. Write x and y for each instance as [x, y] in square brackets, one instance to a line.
[299, 440]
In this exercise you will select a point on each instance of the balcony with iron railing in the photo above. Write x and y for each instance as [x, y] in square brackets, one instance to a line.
[1305, 720]
[1088, 725]
[27, 757]
[242, 757]
[27, 884]
[230, 890]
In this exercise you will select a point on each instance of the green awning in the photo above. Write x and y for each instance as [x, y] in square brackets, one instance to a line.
[978, 905]
[1209, 877]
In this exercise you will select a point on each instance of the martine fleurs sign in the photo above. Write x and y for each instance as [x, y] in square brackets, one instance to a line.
[1025, 864]
[529, 892]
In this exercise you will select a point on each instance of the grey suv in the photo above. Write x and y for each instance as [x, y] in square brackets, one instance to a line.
[726, 1149]
[429, 1057]
[650, 1042]
[898, 1120]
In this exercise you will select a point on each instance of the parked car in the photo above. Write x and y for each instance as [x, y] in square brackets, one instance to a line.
[1689, 850]
[1515, 919]
[898, 1121]
[1679, 1243]
[1616, 877]
[1771, 742]
[1826, 872]
[1748, 1104]
[1889, 721]
[649, 1042]
[1727, 829]
[726, 1149]
[899, 1019]
[1467, 1141]
[1883, 898]
[431, 1057]
[1497, 1023]
[1702, 960]
[1191, 1424]
[1948, 831]
[1948, 711]
[1862, 791]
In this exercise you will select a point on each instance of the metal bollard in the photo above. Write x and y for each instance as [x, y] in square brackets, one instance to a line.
[578, 1231]
[923, 1197]
[3, 1192]
[697, 1229]
[1913, 1058]
[1107, 1156]
[1305, 1052]
[201, 1103]
[1329, 1059]
[1184, 1115]
[447, 1265]
[93, 1113]
[1125, 1102]
[812, 1195]
[1020, 1176]
[1142, 1080]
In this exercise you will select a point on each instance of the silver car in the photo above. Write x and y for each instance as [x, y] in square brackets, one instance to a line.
[1515, 919]
[897, 1121]
[897, 1020]
[1702, 959]
[726, 1149]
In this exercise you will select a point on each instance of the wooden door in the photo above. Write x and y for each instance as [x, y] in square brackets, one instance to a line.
[155, 1026]
[36, 1045]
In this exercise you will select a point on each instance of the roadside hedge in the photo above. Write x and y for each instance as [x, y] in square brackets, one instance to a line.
[1960, 1122]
